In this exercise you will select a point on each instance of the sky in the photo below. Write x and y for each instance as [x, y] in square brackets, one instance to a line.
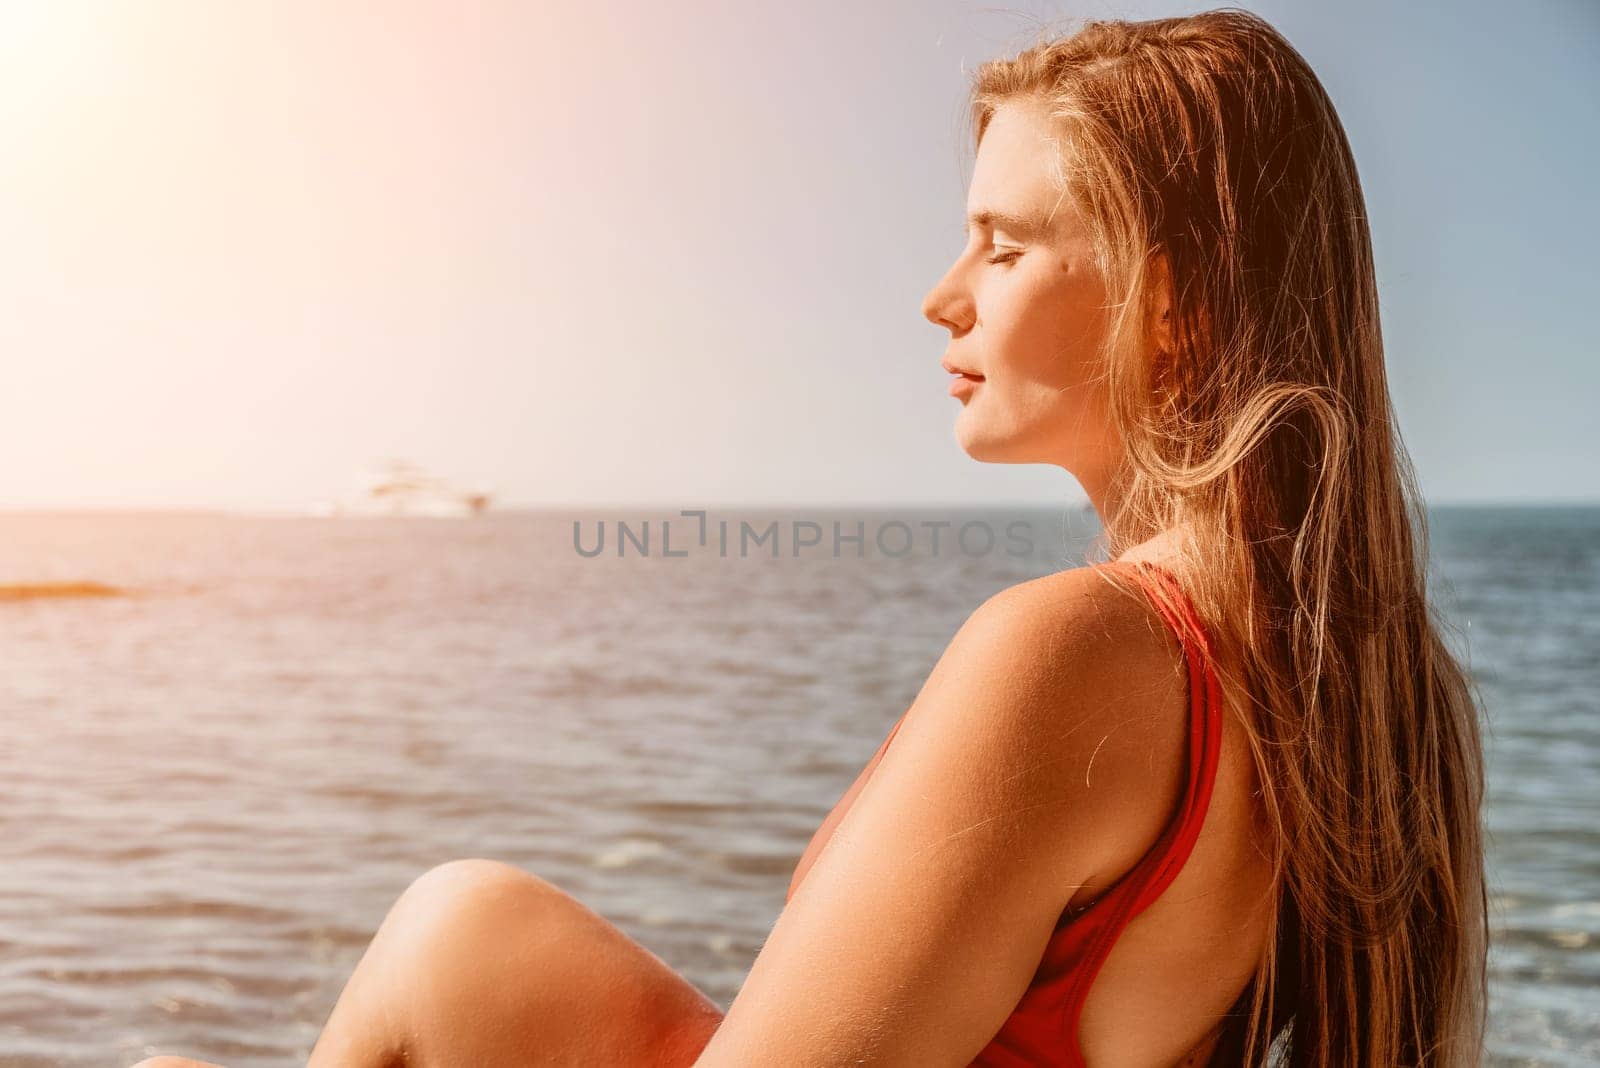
[675, 254]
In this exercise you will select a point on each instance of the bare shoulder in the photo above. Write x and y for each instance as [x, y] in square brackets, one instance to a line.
[1077, 614]
[1100, 648]
[1048, 736]
[1083, 678]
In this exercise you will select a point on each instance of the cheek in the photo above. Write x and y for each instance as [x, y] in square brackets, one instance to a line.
[1051, 339]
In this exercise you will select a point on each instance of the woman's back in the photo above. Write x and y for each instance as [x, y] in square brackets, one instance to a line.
[1192, 949]
[1149, 953]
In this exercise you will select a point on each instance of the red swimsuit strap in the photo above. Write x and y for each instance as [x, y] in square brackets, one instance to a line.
[1161, 864]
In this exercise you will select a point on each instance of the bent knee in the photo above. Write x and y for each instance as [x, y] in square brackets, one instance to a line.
[473, 884]
[472, 876]
[459, 906]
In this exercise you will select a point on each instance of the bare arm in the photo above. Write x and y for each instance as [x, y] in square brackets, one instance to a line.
[1047, 733]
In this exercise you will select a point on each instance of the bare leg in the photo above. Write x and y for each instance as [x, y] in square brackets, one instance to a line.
[481, 964]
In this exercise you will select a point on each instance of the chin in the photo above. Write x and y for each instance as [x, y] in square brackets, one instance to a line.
[992, 444]
[989, 447]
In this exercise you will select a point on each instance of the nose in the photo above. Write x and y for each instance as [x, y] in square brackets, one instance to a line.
[949, 305]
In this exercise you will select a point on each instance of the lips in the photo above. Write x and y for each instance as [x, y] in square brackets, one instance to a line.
[961, 371]
[961, 385]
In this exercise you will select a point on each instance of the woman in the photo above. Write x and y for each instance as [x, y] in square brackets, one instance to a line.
[1219, 793]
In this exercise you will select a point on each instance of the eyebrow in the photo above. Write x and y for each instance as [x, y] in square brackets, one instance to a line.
[1010, 222]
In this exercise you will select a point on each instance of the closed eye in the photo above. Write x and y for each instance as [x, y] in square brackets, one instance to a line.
[1004, 257]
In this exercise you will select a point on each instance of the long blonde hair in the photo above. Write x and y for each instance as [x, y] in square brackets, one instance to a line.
[1265, 432]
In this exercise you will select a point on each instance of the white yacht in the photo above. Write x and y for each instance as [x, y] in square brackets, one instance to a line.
[404, 489]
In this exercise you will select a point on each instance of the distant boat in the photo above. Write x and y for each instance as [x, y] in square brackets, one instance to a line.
[404, 489]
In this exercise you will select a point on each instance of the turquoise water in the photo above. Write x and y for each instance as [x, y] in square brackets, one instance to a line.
[212, 789]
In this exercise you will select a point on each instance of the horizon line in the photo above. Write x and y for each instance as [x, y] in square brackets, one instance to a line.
[1076, 505]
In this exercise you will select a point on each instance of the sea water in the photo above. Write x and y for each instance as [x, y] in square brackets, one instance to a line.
[213, 786]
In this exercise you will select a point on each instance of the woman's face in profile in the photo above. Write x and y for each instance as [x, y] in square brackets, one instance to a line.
[1024, 304]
